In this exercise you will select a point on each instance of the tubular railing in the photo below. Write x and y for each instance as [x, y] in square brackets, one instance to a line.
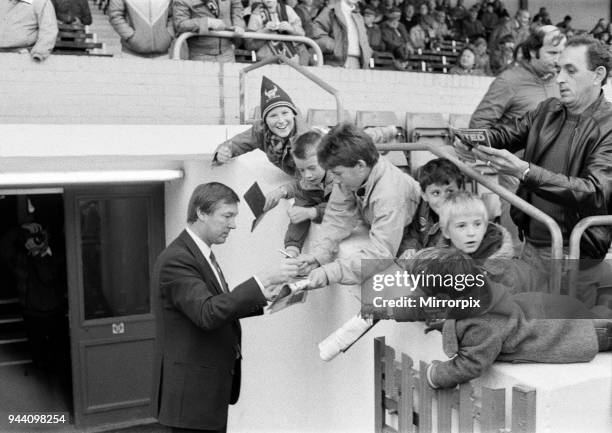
[442, 151]
[301, 69]
[574, 245]
[176, 51]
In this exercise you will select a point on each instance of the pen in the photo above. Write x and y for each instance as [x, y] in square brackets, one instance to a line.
[285, 253]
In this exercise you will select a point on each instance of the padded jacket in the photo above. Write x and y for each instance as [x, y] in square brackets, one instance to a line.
[584, 187]
[194, 16]
[329, 31]
[144, 27]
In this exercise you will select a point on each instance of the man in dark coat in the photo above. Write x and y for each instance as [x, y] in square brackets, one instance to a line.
[199, 336]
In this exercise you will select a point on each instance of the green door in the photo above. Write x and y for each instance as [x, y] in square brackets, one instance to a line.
[113, 234]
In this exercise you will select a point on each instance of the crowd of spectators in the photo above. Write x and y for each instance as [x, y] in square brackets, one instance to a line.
[349, 32]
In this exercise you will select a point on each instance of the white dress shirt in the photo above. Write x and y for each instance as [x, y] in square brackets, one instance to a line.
[206, 250]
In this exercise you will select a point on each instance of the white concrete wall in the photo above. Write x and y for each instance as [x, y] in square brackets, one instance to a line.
[76, 89]
[288, 388]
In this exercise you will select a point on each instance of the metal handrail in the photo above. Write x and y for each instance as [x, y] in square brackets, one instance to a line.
[176, 51]
[301, 69]
[442, 151]
[574, 245]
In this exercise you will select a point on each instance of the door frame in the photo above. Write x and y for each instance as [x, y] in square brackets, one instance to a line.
[140, 409]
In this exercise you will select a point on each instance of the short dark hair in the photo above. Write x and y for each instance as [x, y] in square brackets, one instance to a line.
[344, 145]
[437, 262]
[598, 53]
[439, 171]
[535, 41]
[305, 144]
[207, 196]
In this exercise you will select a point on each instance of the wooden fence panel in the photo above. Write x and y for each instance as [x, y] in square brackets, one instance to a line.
[407, 385]
[379, 411]
[396, 384]
[493, 410]
[523, 409]
[466, 408]
[425, 401]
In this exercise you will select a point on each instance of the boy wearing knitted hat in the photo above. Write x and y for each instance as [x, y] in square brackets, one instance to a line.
[280, 124]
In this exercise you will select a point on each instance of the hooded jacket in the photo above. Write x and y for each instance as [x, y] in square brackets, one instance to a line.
[527, 327]
[583, 188]
[145, 26]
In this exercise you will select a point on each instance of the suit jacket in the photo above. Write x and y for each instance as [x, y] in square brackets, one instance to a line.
[198, 337]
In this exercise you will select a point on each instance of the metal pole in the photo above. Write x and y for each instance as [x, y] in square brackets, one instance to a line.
[574, 245]
[249, 35]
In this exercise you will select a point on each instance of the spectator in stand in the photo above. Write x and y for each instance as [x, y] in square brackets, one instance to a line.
[306, 11]
[521, 88]
[440, 28]
[489, 19]
[472, 27]
[279, 18]
[500, 9]
[605, 37]
[600, 27]
[386, 7]
[419, 38]
[482, 57]
[458, 13]
[544, 17]
[375, 37]
[396, 37]
[72, 12]
[565, 25]
[139, 36]
[376, 5]
[425, 18]
[28, 26]
[520, 26]
[502, 56]
[341, 34]
[409, 19]
[195, 16]
[465, 64]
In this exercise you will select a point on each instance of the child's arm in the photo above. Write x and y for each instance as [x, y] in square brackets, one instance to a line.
[475, 351]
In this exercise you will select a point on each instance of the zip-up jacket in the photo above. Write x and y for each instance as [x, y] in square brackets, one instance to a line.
[584, 187]
[145, 26]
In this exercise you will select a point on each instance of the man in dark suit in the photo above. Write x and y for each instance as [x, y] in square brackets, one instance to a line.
[198, 329]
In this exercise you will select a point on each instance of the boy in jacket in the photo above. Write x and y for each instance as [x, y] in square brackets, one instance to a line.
[484, 323]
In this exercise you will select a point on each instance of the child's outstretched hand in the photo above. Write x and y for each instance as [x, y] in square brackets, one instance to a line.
[273, 197]
[297, 214]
